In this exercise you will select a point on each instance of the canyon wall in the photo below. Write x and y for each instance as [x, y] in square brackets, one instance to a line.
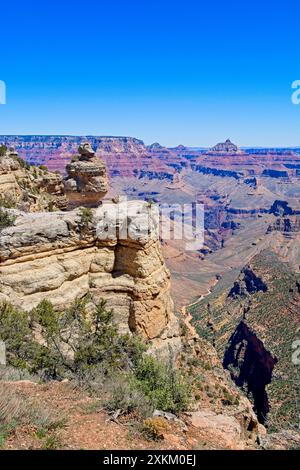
[253, 325]
[62, 255]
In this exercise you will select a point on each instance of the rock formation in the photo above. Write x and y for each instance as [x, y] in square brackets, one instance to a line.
[124, 154]
[87, 182]
[255, 327]
[60, 256]
[224, 148]
[27, 187]
[281, 208]
[247, 283]
[285, 225]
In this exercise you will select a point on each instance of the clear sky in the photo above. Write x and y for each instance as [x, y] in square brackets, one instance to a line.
[186, 72]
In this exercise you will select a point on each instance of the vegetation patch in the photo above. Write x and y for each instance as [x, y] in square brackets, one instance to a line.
[6, 219]
[84, 345]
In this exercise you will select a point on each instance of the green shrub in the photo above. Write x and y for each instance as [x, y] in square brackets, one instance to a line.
[14, 329]
[8, 202]
[52, 442]
[167, 389]
[121, 394]
[51, 206]
[3, 150]
[22, 163]
[85, 344]
[43, 167]
[76, 342]
[86, 216]
[6, 219]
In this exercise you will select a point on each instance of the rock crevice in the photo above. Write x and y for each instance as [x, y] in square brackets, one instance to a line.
[251, 366]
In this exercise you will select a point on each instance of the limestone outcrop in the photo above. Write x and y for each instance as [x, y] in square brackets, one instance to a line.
[27, 187]
[63, 255]
[87, 181]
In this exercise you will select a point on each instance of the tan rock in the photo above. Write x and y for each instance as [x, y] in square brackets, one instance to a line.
[51, 255]
[30, 188]
[87, 182]
[225, 428]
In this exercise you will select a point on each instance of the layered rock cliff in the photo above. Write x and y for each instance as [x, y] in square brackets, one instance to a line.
[87, 180]
[63, 255]
[285, 225]
[60, 256]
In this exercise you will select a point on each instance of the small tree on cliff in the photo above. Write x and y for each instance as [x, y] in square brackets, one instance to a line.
[3, 150]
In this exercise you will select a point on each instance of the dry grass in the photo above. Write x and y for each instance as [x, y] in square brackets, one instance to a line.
[18, 411]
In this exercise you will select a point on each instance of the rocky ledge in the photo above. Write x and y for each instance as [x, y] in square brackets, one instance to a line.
[63, 255]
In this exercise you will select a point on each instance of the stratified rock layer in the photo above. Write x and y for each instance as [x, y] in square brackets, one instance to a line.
[87, 181]
[60, 256]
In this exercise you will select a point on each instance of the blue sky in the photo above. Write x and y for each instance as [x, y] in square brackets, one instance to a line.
[178, 72]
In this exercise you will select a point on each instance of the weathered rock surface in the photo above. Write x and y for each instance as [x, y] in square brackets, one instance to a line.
[225, 428]
[87, 180]
[285, 225]
[285, 439]
[60, 256]
[29, 188]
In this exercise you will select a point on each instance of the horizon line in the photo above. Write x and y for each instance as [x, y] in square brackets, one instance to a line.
[141, 140]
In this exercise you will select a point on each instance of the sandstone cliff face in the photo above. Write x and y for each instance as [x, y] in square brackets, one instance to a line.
[29, 188]
[87, 181]
[60, 256]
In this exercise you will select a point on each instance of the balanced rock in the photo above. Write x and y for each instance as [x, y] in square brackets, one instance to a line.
[87, 181]
[85, 151]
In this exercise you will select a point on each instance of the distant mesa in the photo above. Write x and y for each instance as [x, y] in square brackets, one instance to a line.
[155, 146]
[225, 148]
[180, 148]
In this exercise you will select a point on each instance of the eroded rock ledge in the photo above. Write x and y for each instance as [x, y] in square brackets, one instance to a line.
[59, 256]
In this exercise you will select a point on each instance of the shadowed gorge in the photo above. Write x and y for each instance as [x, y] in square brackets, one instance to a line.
[251, 367]
[253, 331]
